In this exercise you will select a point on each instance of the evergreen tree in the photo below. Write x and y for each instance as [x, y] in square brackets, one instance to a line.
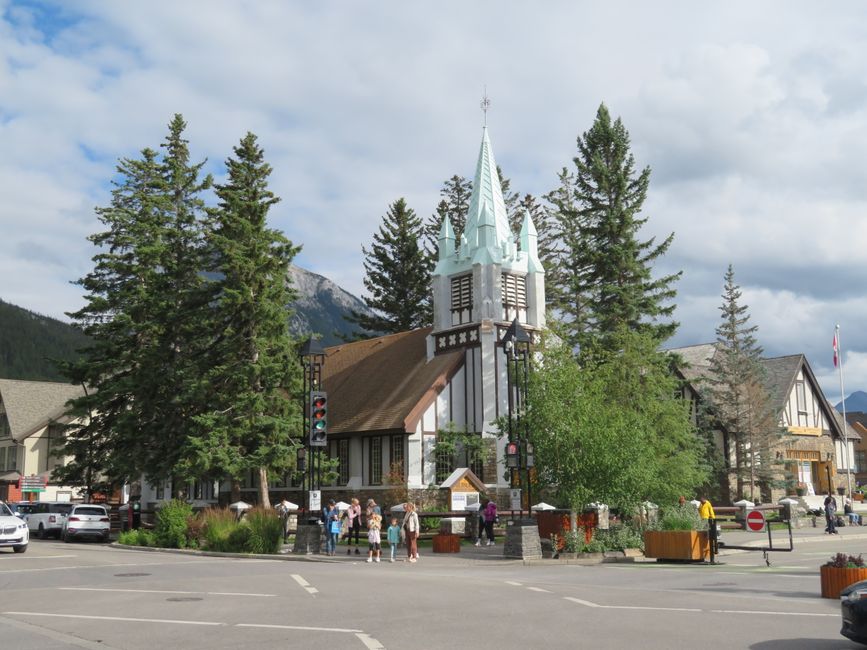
[397, 275]
[143, 312]
[252, 375]
[607, 283]
[739, 398]
[454, 204]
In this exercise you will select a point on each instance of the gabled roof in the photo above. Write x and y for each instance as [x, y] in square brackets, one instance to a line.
[31, 405]
[780, 375]
[463, 472]
[384, 384]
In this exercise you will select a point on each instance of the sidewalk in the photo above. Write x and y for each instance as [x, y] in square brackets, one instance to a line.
[780, 538]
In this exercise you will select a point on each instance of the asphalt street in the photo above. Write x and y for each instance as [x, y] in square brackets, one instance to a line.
[94, 596]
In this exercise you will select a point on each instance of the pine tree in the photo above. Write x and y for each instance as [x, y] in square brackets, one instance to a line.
[739, 398]
[145, 298]
[397, 275]
[251, 373]
[454, 204]
[612, 271]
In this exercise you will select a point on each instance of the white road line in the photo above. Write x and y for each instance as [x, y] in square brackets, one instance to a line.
[367, 640]
[587, 603]
[301, 581]
[514, 584]
[165, 591]
[370, 642]
[299, 627]
[115, 618]
[539, 589]
[738, 611]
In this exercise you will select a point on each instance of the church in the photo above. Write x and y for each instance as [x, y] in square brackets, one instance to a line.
[390, 396]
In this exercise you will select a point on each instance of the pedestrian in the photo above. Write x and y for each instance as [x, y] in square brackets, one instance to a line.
[393, 537]
[490, 520]
[331, 516]
[353, 525]
[480, 524]
[705, 509]
[374, 525]
[830, 506]
[372, 507]
[849, 511]
[411, 530]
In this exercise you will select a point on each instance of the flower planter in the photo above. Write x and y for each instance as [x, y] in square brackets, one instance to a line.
[446, 544]
[676, 544]
[835, 580]
[858, 496]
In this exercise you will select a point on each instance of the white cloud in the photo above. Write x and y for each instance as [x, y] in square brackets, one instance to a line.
[752, 116]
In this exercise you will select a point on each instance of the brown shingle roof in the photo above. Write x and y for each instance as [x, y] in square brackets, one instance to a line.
[384, 384]
[31, 405]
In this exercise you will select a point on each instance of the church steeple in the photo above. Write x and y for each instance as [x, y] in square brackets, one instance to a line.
[491, 276]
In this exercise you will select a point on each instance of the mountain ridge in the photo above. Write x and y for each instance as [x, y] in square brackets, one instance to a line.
[29, 341]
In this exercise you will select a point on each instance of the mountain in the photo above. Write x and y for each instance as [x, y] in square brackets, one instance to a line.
[29, 341]
[322, 307]
[856, 401]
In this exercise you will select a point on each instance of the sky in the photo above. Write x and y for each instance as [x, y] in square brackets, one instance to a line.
[752, 117]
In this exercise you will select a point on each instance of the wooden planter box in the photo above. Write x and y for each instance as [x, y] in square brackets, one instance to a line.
[858, 496]
[835, 580]
[446, 544]
[676, 544]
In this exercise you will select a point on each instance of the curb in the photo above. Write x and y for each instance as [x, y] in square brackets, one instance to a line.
[285, 557]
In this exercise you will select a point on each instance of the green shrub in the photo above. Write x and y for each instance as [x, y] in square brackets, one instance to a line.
[239, 539]
[619, 538]
[266, 531]
[140, 537]
[681, 517]
[217, 523]
[171, 524]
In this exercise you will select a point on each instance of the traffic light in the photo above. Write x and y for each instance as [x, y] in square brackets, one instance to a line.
[318, 418]
[512, 459]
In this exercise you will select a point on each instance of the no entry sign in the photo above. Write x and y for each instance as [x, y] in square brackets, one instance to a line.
[755, 521]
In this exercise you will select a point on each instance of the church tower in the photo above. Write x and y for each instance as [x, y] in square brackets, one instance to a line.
[485, 277]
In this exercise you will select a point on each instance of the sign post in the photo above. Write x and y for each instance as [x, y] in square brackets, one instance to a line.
[755, 521]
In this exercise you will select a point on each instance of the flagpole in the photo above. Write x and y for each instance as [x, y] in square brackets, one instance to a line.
[839, 352]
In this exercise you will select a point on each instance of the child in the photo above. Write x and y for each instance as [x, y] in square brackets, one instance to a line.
[393, 537]
[374, 523]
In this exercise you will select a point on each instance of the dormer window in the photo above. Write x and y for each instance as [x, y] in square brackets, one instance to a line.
[462, 299]
[514, 294]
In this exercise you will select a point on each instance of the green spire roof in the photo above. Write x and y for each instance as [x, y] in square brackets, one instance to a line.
[487, 190]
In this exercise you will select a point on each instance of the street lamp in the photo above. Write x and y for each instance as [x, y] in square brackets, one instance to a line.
[312, 359]
[516, 343]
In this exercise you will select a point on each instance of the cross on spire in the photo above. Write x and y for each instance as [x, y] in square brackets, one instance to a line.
[485, 104]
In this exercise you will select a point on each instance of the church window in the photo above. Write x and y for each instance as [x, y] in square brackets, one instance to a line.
[396, 466]
[445, 462]
[514, 294]
[462, 299]
[339, 450]
[376, 460]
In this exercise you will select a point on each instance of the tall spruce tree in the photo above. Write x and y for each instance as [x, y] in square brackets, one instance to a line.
[454, 203]
[251, 373]
[740, 401]
[397, 275]
[607, 280]
[143, 312]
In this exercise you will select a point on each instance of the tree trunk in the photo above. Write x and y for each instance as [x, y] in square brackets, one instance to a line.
[236, 491]
[264, 499]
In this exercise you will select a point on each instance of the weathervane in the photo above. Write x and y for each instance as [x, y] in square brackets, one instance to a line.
[485, 104]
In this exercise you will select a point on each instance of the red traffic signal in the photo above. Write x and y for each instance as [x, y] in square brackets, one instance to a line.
[512, 454]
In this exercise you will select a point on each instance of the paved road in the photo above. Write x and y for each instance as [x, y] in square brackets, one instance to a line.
[92, 596]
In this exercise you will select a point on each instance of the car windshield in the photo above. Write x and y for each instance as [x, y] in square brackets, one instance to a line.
[92, 510]
[25, 508]
[5, 511]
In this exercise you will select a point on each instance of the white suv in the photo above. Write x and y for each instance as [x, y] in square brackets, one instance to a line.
[46, 518]
[86, 520]
[13, 530]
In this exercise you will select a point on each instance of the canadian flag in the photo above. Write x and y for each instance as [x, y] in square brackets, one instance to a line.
[835, 349]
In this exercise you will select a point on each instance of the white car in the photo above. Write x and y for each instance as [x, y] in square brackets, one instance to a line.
[86, 520]
[13, 530]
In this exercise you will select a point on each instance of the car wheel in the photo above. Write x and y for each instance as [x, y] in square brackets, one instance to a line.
[41, 532]
[19, 549]
[66, 538]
